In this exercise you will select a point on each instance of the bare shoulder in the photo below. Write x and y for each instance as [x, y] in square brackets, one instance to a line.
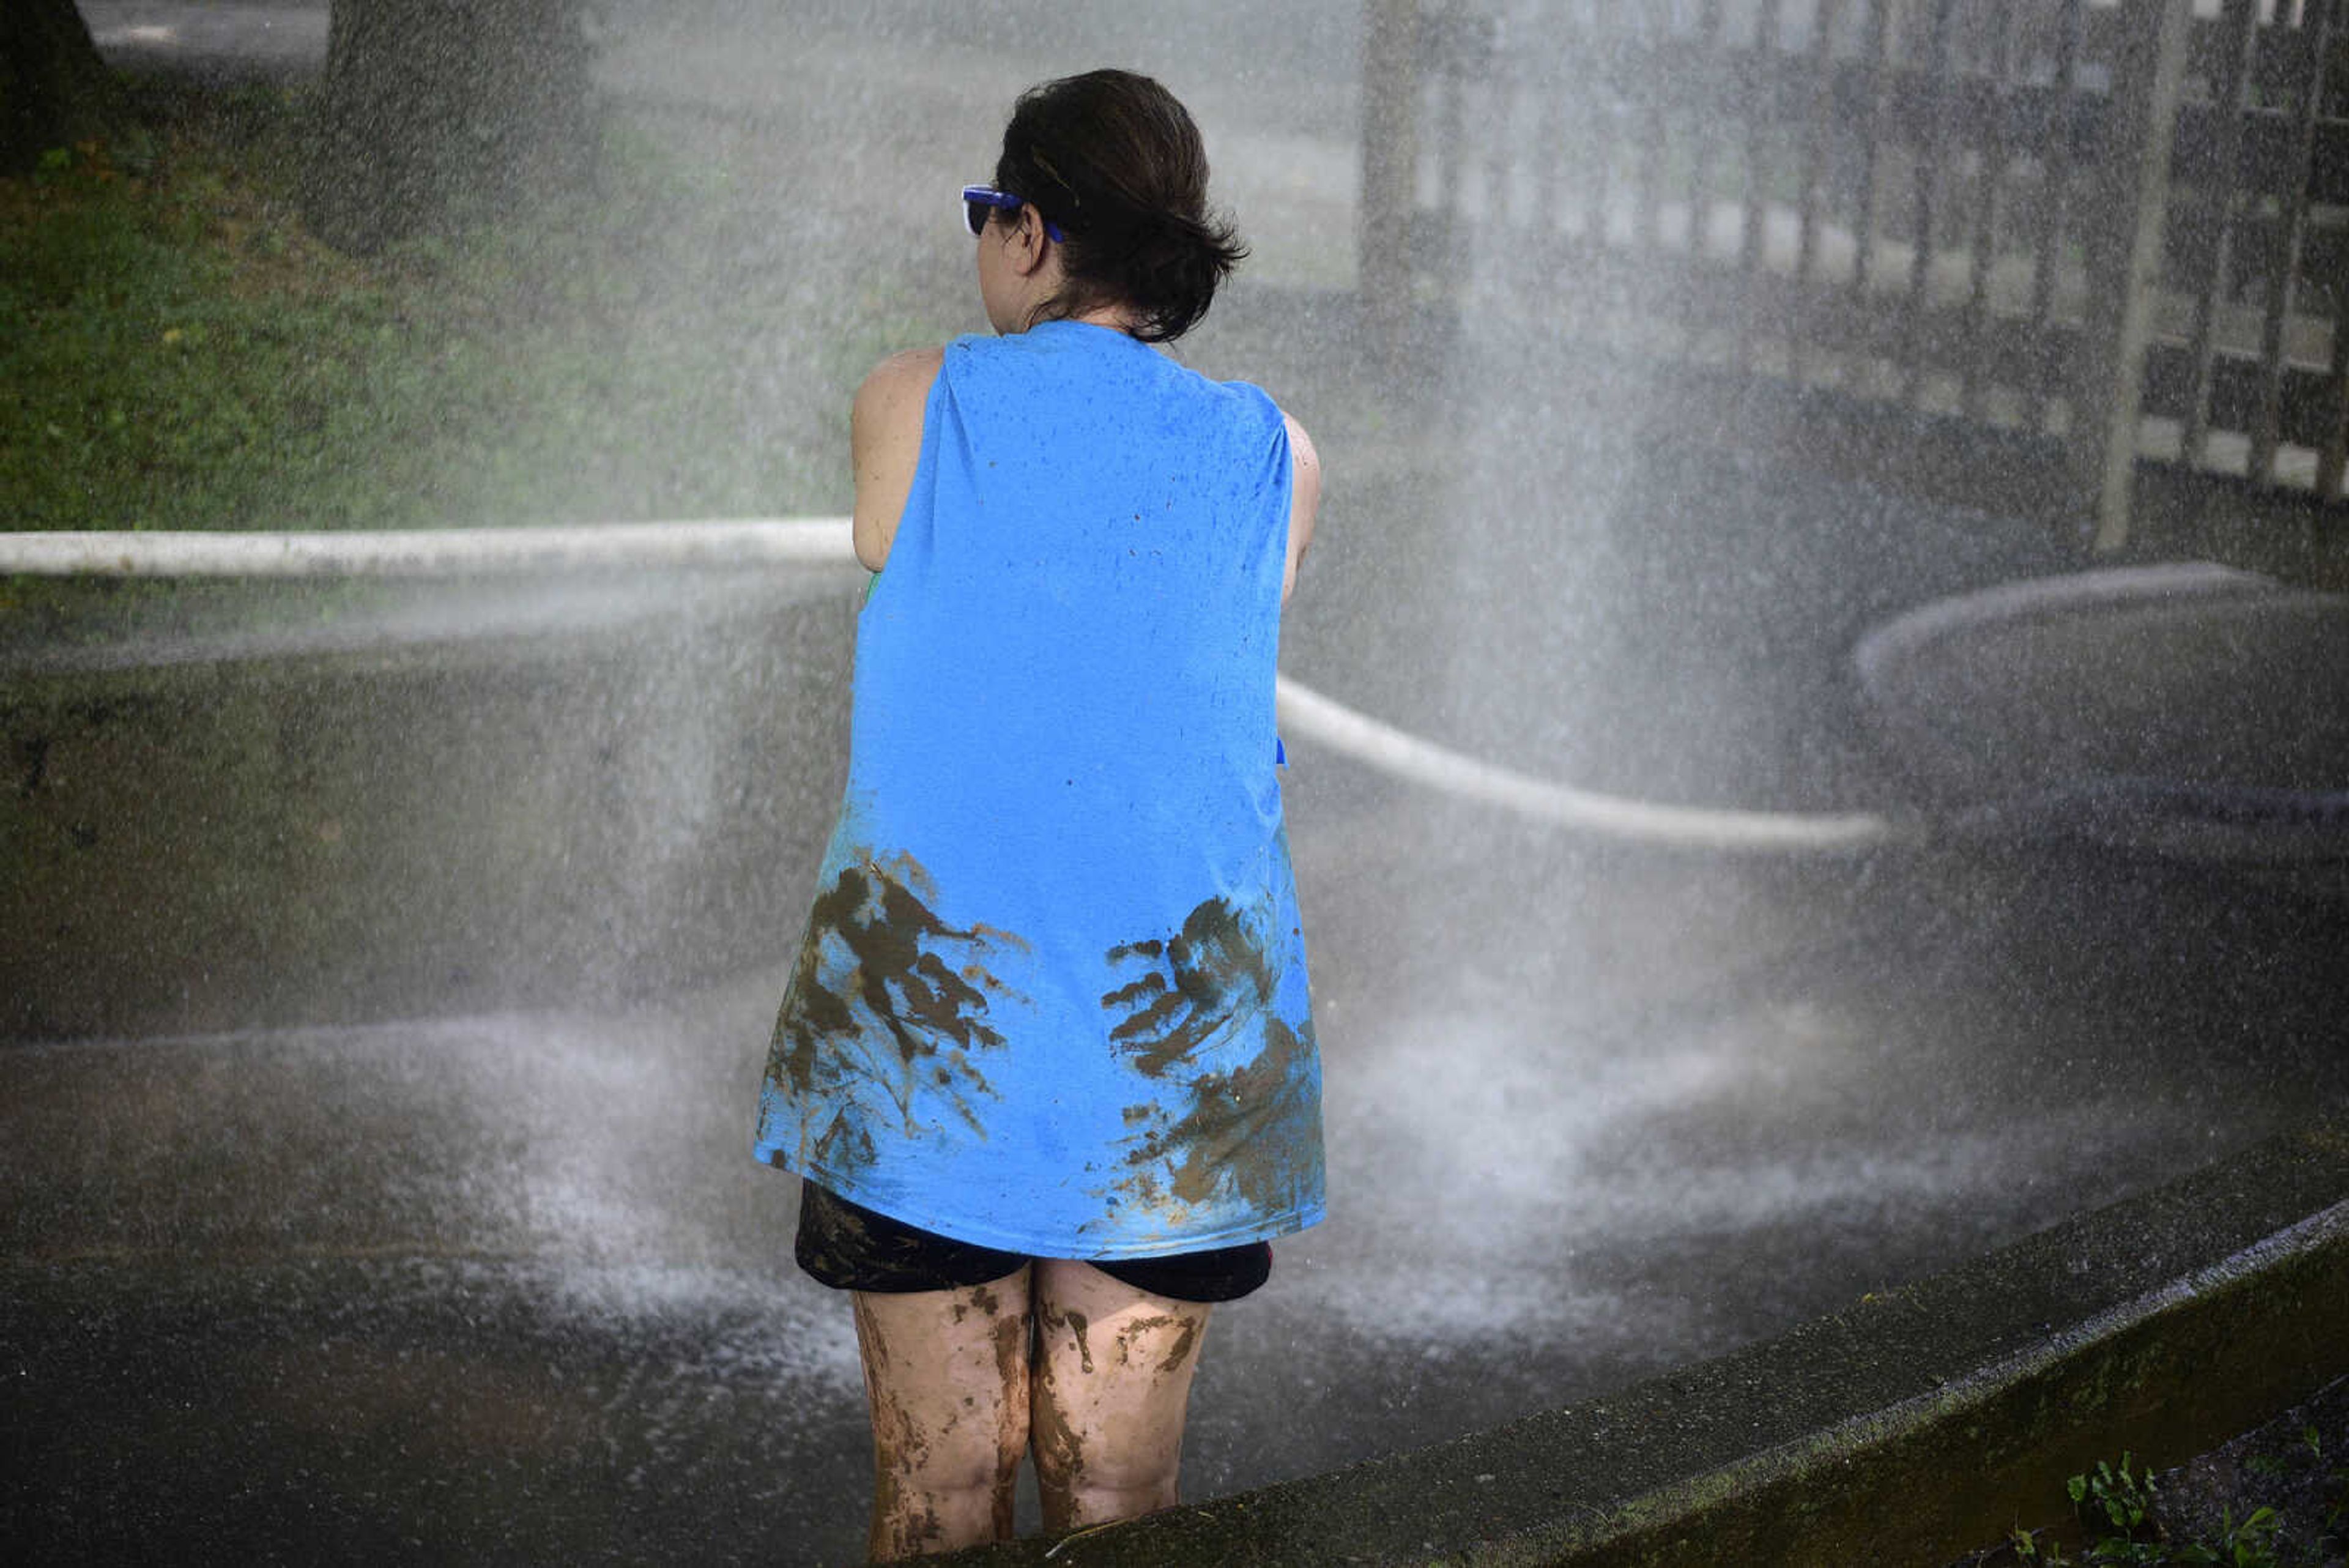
[899, 383]
[885, 438]
[1304, 499]
[1303, 455]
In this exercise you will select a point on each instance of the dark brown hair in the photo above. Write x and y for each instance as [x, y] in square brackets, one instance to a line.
[1116, 161]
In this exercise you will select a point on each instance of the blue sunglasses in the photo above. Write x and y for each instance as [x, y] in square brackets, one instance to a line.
[979, 202]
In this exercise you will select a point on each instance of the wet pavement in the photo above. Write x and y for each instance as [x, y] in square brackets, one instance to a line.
[509, 1287]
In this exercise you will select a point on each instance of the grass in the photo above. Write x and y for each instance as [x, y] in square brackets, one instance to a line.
[177, 352]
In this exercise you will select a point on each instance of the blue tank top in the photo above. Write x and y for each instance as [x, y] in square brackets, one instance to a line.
[1052, 996]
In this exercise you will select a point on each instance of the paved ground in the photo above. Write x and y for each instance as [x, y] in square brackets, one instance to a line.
[506, 1287]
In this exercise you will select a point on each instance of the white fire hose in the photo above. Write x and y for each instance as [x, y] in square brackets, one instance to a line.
[825, 542]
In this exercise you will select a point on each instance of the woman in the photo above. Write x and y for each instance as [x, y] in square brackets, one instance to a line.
[1046, 1063]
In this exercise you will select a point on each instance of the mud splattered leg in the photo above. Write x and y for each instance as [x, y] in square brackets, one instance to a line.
[1113, 1382]
[946, 1374]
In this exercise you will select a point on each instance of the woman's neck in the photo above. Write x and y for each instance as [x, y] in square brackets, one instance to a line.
[1117, 316]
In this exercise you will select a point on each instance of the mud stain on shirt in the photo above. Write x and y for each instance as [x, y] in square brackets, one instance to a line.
[887, 999]
[1250, 1134]
[1250, 1130]
[1196, 986]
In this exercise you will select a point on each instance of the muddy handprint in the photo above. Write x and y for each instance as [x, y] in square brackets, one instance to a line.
[879, 964]
[1198, 985]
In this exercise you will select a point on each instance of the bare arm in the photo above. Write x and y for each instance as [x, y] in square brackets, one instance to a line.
[885, 442]
[1304, 502]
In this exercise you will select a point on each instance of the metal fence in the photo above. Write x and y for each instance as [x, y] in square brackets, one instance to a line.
[2124, 224]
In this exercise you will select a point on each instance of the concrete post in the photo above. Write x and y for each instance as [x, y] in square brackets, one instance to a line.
[2125, 257]
[1383, 216]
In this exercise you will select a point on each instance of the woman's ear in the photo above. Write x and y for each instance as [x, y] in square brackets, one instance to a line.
[1027, 243]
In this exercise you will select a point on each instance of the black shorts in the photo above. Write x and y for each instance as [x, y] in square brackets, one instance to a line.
[851, 1248]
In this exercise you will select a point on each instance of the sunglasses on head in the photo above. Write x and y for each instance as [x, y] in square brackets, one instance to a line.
[980, 202]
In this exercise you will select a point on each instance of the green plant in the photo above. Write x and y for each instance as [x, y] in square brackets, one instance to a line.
[2254, 1544]
[2116, 1505]
[2124, 1517]
[2117, 1498]
[2025, 1545]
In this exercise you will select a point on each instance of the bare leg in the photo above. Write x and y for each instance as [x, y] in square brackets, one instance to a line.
[946, 1374]
[1112, 1384]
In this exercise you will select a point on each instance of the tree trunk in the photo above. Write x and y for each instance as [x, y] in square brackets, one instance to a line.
[55, 91]
[437, 111]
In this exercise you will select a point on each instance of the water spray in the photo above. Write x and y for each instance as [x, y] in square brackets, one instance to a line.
[824, 543]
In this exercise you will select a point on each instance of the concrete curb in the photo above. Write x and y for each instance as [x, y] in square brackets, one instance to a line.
[1914, 1428]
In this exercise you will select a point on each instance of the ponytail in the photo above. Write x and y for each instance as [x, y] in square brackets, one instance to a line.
[1116, 161]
